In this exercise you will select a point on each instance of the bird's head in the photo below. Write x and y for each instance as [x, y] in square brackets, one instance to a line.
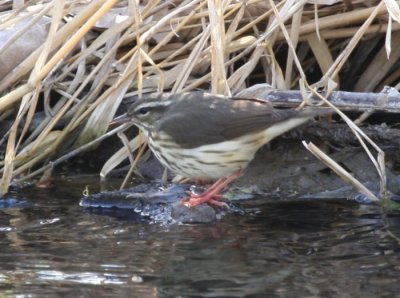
[147, 111]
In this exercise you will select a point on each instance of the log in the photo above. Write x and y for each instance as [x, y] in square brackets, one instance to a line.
[387, 101]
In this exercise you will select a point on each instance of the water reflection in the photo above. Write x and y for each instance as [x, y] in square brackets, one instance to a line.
[280, 249]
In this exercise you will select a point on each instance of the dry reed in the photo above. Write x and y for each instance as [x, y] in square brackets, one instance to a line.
[96, 52]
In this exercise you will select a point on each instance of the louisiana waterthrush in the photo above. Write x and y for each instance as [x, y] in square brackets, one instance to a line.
[207, 137]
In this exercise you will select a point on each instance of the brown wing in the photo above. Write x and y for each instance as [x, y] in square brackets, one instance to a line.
[213, 119]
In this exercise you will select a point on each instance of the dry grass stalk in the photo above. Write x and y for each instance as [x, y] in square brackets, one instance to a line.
[176, 46]
[378, 162]
[340, 171]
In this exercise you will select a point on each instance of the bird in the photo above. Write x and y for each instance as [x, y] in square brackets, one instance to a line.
[206, 137]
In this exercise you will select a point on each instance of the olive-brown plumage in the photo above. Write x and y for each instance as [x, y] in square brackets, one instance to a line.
[203, 136]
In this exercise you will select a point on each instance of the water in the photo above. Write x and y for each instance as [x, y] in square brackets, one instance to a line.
[51, 247]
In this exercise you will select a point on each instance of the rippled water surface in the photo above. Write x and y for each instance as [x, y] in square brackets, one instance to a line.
[52, 247]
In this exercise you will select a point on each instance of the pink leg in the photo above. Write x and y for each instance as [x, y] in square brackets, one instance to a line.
[210, 189]
[212, 194]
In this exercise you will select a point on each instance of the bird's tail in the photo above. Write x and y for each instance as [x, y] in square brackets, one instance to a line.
[302, 117]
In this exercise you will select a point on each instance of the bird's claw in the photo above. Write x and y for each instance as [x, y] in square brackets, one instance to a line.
[198, 200]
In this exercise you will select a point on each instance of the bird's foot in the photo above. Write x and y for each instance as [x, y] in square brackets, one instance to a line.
[196, 200]
[212, 194]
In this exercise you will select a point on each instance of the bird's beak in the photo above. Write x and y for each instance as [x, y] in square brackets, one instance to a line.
[120, 120]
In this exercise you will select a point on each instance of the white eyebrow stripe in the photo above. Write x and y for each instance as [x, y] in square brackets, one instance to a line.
[152, 104]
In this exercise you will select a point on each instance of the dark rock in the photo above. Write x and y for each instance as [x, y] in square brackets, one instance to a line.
[13, 202]
[198, 214]
[350, 193]
[155, 202]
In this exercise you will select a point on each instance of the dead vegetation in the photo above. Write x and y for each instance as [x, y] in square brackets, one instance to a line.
[67, 65]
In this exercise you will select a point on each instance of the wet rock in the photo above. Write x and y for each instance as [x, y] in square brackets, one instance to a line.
[156, 202]
[13, 202]
[350, 193]
[198, 214]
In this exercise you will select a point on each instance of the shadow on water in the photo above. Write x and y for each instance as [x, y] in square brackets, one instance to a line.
[52, 247]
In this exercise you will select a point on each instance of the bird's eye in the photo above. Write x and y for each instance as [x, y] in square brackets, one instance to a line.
[143, 111]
